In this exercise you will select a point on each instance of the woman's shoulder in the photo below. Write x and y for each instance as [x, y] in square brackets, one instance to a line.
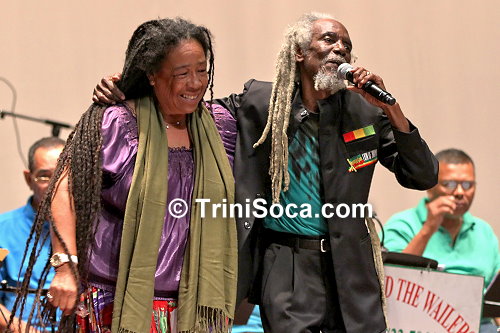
[226, 125]
[120, 120]
[223, 118]
[123, 111]
[119, 138]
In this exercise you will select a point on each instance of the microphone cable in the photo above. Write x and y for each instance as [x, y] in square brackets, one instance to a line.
[375, 216]
[14, 120]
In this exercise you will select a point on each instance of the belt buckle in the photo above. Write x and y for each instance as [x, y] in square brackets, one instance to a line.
[321, 245]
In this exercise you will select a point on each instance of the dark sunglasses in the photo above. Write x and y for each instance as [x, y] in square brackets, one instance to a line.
[453, 184]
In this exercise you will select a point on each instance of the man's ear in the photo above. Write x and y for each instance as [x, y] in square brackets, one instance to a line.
[28, 179]
[299, 55]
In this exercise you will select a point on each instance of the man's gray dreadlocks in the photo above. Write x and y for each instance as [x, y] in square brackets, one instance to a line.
[297, 36]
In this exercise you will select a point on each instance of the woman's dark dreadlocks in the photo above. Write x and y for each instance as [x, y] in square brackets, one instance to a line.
[81, 158]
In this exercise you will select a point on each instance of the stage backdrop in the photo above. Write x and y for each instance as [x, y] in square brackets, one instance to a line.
[440, 59]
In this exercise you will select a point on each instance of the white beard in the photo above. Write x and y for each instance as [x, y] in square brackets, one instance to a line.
[328, 80]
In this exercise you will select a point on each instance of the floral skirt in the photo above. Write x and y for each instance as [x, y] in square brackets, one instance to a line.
[95, 312]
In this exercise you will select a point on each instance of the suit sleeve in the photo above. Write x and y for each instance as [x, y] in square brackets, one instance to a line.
[408, 156]
[233, 101]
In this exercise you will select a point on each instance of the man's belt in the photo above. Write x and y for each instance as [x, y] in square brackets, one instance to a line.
[317, 243]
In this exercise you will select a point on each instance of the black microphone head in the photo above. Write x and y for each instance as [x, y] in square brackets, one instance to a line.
[343, 70]
[389, 100]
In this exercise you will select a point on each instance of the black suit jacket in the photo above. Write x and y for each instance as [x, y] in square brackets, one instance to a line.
[405, 154]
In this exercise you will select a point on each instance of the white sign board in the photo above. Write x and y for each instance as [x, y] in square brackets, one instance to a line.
[424, 301]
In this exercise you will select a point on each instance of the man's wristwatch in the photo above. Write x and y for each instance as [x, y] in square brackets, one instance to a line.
[59, 259]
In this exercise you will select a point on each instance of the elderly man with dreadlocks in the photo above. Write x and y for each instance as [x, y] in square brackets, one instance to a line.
[143, 268]
[311, 274]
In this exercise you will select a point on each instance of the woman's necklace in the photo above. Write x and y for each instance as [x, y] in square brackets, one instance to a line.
[177, 123]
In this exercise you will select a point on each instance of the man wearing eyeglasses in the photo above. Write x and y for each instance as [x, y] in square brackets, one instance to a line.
[442, 228]
[15, 225]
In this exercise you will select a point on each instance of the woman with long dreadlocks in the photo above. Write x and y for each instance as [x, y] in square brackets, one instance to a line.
[143, 267]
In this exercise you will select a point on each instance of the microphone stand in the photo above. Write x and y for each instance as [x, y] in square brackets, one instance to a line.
[9, 289]
[56, 125]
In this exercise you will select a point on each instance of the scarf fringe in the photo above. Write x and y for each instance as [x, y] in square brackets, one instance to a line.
[210, 320]
[379, 264]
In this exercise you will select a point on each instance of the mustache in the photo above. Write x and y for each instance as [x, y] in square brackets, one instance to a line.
[335, 59]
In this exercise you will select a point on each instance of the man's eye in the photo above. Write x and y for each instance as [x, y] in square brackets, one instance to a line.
[181, 74]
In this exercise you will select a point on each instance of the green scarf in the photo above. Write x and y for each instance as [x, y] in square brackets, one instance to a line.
[207, 291]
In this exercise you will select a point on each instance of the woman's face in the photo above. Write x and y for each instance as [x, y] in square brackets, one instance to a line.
[181, 81]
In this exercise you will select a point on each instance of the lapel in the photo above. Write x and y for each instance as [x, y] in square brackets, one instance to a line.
[331, 147]
[297, 114]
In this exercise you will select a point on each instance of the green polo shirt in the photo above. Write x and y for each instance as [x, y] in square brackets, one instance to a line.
[475, 251]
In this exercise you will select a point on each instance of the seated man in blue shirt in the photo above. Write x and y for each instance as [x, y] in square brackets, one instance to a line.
[16, 226]
[441, 227]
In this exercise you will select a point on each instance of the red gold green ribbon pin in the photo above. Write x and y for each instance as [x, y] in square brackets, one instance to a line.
[359, 133]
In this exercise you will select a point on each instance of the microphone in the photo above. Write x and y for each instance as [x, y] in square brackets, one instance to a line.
[344, 72]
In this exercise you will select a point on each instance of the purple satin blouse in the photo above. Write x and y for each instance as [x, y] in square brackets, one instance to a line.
[119, 149]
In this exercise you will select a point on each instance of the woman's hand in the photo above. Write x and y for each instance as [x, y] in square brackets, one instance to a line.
[63, 289]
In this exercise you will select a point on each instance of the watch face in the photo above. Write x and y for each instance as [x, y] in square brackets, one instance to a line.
[56, 260]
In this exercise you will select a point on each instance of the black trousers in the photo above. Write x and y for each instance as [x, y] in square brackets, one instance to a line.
[299, 293]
